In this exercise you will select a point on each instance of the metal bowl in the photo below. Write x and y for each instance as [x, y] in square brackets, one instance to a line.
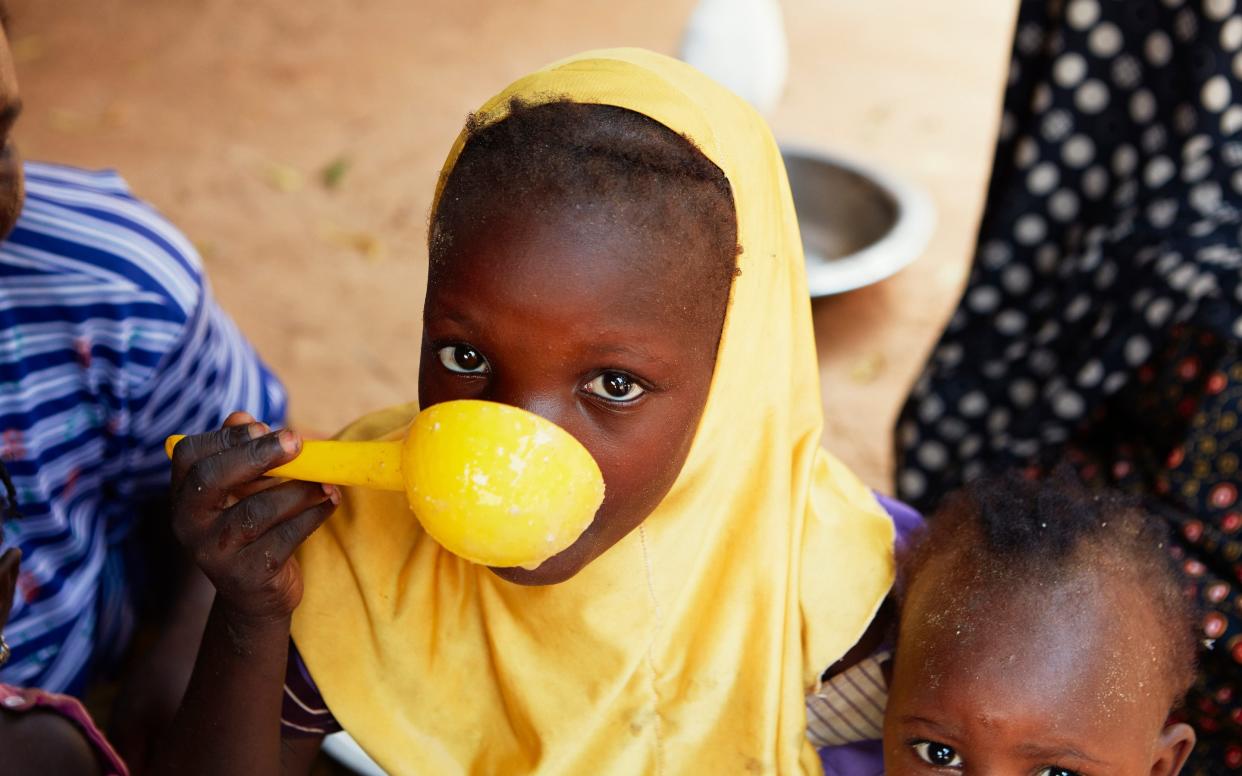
[859, 225]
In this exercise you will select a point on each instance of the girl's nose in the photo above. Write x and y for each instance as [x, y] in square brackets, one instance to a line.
[536, 399]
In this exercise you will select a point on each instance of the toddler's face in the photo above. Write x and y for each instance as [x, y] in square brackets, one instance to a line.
[573, 317]
[1062, 680]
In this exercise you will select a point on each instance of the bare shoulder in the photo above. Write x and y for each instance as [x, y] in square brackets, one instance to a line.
[40, 743]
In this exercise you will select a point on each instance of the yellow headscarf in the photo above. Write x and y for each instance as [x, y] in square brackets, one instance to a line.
[689, 646]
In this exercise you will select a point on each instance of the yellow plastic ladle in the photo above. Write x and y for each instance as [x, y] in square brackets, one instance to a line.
[492, 483]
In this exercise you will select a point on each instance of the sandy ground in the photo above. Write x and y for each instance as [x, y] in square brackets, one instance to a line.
[226, 115]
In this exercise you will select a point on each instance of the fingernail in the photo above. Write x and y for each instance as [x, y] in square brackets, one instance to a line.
[289, 441]
[333, 493]
[256, 430]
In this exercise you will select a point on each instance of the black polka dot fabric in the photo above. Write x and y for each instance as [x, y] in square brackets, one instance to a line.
[1103, 317]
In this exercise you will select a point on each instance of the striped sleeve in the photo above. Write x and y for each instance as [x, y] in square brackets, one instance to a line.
[303, 714]
[176, 362]
[211, 372]
[849, 707]
[180, 364]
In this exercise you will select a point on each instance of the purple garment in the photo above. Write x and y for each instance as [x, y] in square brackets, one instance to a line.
[866, 758]
[303, 714]
[906, 520]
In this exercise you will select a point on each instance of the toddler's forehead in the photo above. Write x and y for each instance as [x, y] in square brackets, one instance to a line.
[1087, 639]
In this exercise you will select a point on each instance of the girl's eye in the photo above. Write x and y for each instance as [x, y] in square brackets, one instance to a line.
[1056, 771]
[615, 386]
[463, 359]
[940, 755]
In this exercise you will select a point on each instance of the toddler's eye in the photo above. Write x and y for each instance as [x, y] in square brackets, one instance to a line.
[1056, 771]
[463, 359]
[615, 386]
[939, 755]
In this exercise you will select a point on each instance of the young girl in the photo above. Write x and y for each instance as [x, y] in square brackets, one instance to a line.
[1043, 630]
[585, 265]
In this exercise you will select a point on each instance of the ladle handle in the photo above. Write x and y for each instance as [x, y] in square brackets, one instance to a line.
[362, 464]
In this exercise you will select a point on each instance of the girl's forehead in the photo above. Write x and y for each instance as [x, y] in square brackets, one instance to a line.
[581, 266]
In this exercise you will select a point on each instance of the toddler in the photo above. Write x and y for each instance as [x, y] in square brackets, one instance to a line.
[1043, 630]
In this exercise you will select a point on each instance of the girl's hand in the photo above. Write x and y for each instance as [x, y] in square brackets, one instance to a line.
[240, 527]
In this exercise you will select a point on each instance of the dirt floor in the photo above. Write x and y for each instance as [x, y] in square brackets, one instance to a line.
[297, 143]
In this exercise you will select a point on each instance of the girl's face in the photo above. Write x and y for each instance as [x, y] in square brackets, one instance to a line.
[1060, 682]
[592, 325]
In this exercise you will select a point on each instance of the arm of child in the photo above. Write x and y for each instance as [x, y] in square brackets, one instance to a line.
[183, 374]
[43, 742]
[241, 529]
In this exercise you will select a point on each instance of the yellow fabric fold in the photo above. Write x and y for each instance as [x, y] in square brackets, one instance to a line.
[689, 646]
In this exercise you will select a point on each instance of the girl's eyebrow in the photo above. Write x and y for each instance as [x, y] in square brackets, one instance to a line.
[631, 349]
[453, 316]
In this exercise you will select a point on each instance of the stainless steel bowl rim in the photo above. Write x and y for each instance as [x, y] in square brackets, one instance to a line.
[900, 245]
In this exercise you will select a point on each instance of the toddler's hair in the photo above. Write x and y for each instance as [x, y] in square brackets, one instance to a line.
[604, 162]
[1008, 533]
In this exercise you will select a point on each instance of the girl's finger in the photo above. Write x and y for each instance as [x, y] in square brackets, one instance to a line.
[209, 481]
[193, 449]
[277, 545]
[239, 418]
[250, 518]
[251, 488]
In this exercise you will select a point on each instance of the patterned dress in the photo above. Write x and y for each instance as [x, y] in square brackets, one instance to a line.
[1103, 317]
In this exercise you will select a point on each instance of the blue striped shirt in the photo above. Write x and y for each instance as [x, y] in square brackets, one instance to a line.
[109, 342]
